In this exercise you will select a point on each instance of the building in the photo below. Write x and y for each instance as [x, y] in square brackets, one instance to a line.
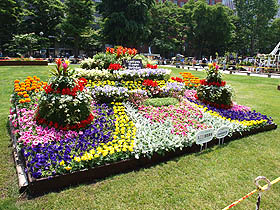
[182, 2]
[228, 3]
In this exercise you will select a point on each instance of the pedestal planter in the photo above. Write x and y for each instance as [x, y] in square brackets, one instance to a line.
[23, 63]
[37, 187]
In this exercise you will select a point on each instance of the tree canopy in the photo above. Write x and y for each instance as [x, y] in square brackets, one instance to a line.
[254, 19]
[79, 16]
[125, 21]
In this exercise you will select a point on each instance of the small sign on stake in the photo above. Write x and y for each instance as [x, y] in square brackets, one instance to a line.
[204, 136]
[221, 133]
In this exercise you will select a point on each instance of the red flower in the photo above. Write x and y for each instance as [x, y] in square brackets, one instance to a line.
[58, 62]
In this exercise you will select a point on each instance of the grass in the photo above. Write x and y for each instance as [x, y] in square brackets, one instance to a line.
[210, 179]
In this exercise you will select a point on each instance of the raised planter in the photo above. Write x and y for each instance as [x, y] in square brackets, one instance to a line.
[37, 187]
[23, 63]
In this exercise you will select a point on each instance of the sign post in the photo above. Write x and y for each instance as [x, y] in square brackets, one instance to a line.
[134, 64]
[204, 136]
[222, 133]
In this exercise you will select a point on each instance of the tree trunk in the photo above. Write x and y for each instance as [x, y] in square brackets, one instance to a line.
[76, 46]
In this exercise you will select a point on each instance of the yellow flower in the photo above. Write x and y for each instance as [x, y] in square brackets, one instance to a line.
[78, 159]
[68, 168]
[61, 163]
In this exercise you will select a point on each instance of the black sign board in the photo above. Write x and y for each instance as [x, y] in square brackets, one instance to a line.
[134, 64]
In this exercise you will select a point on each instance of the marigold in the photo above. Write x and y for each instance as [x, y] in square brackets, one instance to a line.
[20, 93]
[27, 100]
[21, 101]
[16, 81]
[28, 89]
[25, 95]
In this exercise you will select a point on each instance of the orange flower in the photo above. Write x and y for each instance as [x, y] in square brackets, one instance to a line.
[33, 88]
[37, 79]
[21, 101]
[17, 89]
[27, 100]
[16, 81]
[25, 95]
[28, 89]
[22, 89]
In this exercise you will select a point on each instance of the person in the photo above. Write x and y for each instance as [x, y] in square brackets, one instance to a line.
[204, 62]
[1, 54]
[224, 64]
[193, 62]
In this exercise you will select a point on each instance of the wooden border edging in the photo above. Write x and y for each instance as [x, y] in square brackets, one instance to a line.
[43, 185]
[23, 63]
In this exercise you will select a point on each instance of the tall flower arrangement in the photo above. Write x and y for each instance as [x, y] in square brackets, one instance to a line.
[213, 90]
[64, 104]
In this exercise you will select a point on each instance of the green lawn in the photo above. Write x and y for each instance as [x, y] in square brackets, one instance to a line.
[211, 179]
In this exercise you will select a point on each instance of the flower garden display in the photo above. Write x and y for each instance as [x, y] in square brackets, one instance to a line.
[213, 90]
[70, 126]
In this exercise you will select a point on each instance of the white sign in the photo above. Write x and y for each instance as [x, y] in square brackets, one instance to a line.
[222, 132]
[204, 136]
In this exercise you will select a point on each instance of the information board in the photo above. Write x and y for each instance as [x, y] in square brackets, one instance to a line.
[134, 64]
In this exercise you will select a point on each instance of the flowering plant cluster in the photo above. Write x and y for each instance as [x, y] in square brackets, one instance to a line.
[150, 66]
[24, 91]
[204, 82]
[177, 79]
[190, 80]
[155, 74]
[64, 104]
[150, 83]
[115, 66]
[213, 90]
[121, 51]
[109, 93]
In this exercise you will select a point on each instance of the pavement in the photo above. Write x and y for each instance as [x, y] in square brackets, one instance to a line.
[234, 72]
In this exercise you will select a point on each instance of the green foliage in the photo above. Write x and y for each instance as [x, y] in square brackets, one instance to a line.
[125, 21]
[99, 61]
[167, 31]
[43, 16]
[26, 44]
[209, 27]
[254, 18]
[79, 15]
[161, 101]
[10, 16]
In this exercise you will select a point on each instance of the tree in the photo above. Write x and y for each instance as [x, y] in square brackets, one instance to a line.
[125, 21]
[166, 30]
[10, 16]
[209, 27]
[25, 44]
[79, 16]
[254, 18]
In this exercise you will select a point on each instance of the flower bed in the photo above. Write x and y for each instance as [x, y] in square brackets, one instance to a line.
[105, 127]
[23, 63]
